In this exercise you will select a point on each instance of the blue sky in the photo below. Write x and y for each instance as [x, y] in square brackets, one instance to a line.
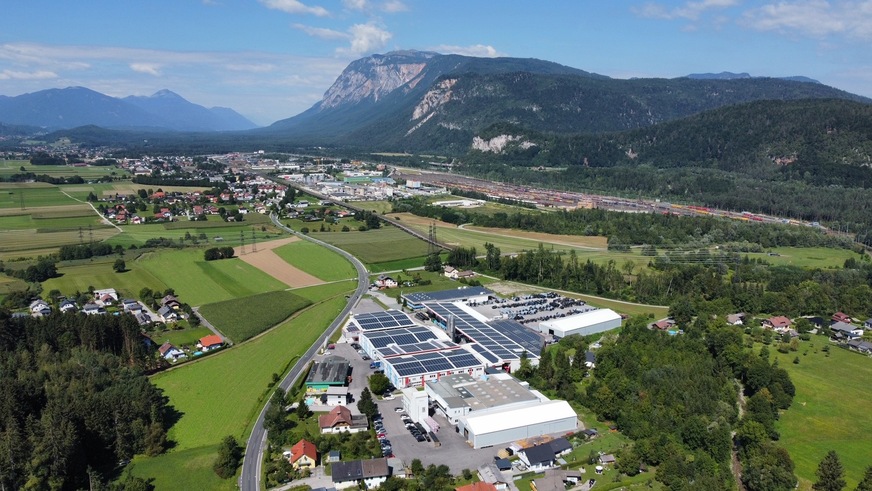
[272, 59]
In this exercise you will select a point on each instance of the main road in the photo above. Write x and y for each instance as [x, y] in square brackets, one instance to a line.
[251, 464]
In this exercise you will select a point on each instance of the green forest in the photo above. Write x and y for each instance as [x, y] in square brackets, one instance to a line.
[75, 401]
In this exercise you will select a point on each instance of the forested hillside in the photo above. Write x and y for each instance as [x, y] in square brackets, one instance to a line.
[74, 400]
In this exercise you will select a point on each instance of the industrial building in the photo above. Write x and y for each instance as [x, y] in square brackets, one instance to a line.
[501, 343]
[332, 371]
[474, 294]
[591, 322]
[498, 409]
[375, 321]
[414, 370]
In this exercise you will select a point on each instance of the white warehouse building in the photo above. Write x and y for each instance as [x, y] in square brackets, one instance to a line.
[591, 322]
[498, 409]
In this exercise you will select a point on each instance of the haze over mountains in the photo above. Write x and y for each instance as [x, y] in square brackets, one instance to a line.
[71, 107]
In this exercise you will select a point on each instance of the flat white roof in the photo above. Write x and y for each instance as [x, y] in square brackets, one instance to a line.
[484, 422]
[582, 320]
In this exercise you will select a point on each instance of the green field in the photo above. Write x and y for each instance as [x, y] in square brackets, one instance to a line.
[318, 261]
[830, 410]
[807, 257]
[9, 284]
[183, 469]
[32, 195]
[221, 395]
[10, 167]
[399, 264]
[229, 233]
[376, 246]
[199, 282]
[243, 318]
[183, 337]
[99, 274]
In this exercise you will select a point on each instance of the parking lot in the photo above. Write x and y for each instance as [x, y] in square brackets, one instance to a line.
[532, 309]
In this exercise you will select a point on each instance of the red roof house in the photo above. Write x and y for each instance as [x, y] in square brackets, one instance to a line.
[304, 455]
[210, 342]
[778, 323]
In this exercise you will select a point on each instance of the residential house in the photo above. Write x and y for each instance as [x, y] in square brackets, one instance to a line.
[210, 342]
[168, 314]
[556, 480]
[841, 317]
[335, 396]
[171, 353]
[492, 474]
[386, 282]
[479, 486]
[736, 319]
[340, 419]
[664, 324]
[589, 359]
[334, 456]
[170, 301]
[777, 323]
[39, 308]
[607, 459]
[68, 306]
[560, 446]
[857, 344]
[868, 325]
[538, 458]
[92, 308]
[106, 291]
[131, 305]
[371, 473]
[843, 330]
[465, 275]
[449, 272]
[304, 455]
[143, 318]
[590, 433]
[104, 299]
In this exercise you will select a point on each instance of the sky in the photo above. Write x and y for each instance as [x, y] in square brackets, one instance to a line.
[272, 59]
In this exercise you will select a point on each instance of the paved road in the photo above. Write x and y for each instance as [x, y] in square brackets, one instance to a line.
[251, 465]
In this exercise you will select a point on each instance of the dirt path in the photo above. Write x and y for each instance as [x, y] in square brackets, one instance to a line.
[270, 263]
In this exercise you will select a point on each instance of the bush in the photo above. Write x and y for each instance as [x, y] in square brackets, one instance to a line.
[229, 457]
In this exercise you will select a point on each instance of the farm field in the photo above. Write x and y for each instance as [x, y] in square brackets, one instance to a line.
[198, 282]
[243, 318]
[375, 246]
[316, 260]
[222, 394]
[9, 284]
[266, 260]
[31, 242]
[830, 410]
[228, 233]
[10, 167]
[99, 274]
[32, 195]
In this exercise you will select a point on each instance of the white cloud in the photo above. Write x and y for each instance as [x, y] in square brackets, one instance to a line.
[321, 32]
[688, 10]
[365, 38]
[38, 75]
[355, 4]
[147, 68]
[816, 18]
[480, 50]
[394, 6]
[295, 7]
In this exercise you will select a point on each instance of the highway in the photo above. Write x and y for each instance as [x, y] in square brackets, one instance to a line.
[249, 480]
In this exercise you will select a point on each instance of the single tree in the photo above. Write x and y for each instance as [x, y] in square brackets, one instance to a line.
[120, 266]
[830, 473]
[866, 483]
[229, 457]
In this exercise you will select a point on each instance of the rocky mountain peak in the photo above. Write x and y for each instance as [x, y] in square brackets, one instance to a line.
[374, 77]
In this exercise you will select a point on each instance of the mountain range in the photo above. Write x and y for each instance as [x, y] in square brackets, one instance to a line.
[72, 107]
[418, 101]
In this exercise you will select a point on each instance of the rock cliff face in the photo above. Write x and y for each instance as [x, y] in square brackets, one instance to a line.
[374, 77]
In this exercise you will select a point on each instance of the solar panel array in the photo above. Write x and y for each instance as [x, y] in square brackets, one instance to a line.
[502, 344]
[447, 295]
[404, 336]
[429, 345]
[441, 361]
[377, 321]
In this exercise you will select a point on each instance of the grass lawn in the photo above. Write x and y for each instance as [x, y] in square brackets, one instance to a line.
[199, 282]
[9, 284]
[10, 167]
[376, 246]
[830, 410]
[221, 394]
[182, 337]
[246, 317]
[398, 265]
[32, 195]
[318, 261]
[807, 257]
[99, 274]
[185, 469]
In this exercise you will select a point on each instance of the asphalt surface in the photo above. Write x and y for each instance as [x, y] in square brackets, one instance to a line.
[249, 480]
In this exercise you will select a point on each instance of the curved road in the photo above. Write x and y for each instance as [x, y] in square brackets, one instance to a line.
[249, 480]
